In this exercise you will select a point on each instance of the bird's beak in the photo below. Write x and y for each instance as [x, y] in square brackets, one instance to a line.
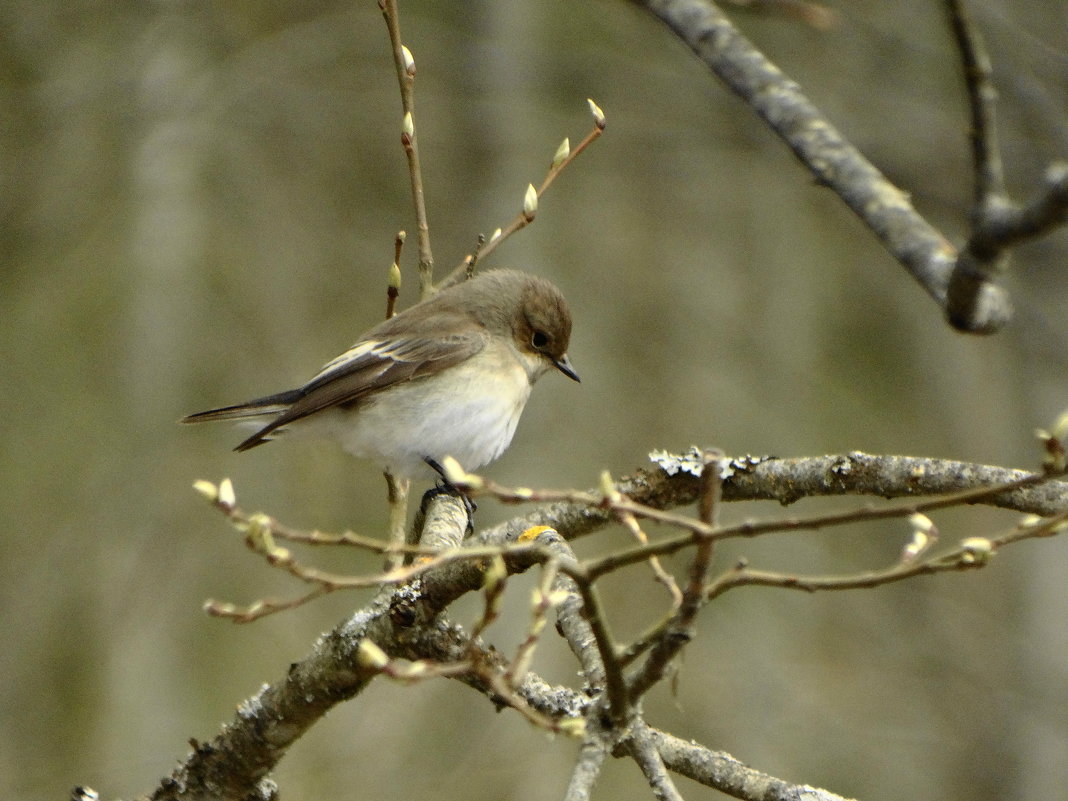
[563, 364]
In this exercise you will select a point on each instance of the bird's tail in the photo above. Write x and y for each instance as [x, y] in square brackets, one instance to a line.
[260, 407]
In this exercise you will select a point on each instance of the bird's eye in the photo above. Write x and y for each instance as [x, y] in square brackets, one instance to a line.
[539, 340]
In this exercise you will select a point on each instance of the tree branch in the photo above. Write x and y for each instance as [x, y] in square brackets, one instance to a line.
[726, 774]
[982, 99]
[788, 481]
[235, 764]
[643, 748]
[960, 283]
[405, 66]
[997, 222]
[587, 769]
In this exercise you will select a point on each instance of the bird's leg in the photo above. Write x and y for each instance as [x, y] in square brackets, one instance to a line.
[447, 487]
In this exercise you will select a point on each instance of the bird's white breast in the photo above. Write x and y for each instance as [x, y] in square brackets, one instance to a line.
[468, 411]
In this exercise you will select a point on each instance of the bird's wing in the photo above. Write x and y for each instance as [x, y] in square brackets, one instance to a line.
[380, 360]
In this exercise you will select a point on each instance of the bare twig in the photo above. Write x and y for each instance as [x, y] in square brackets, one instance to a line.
[263, 607]
[982, 98]
[615, 686]
[998, 222]
[546, 597]
[262, 530]
[643, 748]
[630, 522]
[242, 754]
[983, 256]
[971, 553]
[476, 671]
[1022, 492]
[787, 481]
[238, 759]
[726, 774]
[681, 629]
[370, 656]
[505, 693]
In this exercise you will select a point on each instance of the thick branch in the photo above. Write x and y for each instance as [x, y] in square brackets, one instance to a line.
[235, 764]
[790, 480]
[836, 163]
[725, 773]
[238, 759]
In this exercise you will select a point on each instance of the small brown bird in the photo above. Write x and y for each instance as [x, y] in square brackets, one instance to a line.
[448, 376]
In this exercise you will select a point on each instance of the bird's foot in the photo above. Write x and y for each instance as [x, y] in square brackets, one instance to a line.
[446, 487]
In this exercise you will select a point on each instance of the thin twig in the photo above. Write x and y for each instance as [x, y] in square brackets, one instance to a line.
[394, 284]
[786, 481]
[681, 629]
[630, 522]
[615, 685]
[405, 67]
[612, 497]
[266, 529]
[506, 693]
[971, 553]
[595, 623]
[982, 98]
[525, 217]
[260, 534]
[646, 640]
[544, 600]
[397, 495]
[263, 607]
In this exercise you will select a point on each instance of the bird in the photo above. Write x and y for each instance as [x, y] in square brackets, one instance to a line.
[448, 376]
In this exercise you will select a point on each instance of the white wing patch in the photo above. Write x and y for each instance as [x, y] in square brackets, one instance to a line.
[367, 347]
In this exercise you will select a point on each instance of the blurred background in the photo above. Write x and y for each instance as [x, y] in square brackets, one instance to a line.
[197, 206]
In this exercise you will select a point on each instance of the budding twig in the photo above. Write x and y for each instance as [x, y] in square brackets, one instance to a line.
[405, 66]
[561, 159]
[394, 284]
